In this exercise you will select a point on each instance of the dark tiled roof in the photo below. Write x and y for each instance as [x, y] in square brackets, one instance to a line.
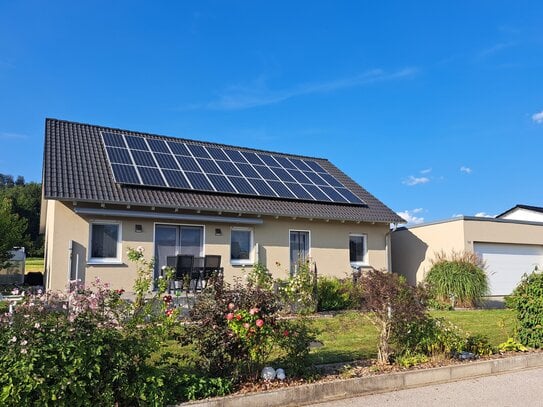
[76, 169]
[519, 206]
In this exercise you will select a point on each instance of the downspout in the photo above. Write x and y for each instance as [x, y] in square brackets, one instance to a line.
[388, 248]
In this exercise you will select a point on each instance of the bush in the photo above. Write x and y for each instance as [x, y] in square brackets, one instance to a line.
[77, 349]
[298, 291]
[527, 301]
[334, 294]
[236, 331]
[459, 279]
[392, 305]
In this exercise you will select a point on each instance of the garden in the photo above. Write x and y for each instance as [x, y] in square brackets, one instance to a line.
[93, 346]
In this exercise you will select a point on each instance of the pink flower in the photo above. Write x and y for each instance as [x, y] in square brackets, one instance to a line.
[260, 323]
[286, 332]
[230, 316]
[254, 311]
[231, 306]
[246, 325]
[169, 312]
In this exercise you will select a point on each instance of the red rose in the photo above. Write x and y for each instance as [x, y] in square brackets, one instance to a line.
[230, 316]
[285, 332]
[238, 317]
[260, 323]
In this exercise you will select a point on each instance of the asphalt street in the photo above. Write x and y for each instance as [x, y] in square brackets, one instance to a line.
[522, 388]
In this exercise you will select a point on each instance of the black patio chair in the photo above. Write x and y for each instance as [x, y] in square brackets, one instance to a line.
[212, 268]
[184, 268]
[196, 274]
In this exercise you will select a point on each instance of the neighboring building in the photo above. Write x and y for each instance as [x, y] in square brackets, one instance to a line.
[106, 190]
[509, 248]
[523, 212]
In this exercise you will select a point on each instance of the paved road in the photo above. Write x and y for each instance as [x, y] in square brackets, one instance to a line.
[524, 388]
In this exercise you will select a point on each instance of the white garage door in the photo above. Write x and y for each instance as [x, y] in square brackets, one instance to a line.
[506, 263]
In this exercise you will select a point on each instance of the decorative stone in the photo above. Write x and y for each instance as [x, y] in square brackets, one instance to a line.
[268, 373]
[280, 374]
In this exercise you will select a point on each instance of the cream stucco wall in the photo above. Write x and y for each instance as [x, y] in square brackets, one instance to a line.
[329, 245]
[414, 248]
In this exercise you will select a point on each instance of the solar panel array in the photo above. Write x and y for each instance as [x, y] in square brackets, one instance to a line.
[137, 160]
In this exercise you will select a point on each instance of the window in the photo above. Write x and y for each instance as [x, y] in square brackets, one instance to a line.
[105, 243]
[299, 249]
[241, 246]
[357, 250]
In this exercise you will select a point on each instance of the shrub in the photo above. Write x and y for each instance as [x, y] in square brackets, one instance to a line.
[334, 294]
[408, 361]
[235, 331]
[527, 302]
[459, 279]
[260, 277]
[392, 305]
[298, 291]
[77, 349]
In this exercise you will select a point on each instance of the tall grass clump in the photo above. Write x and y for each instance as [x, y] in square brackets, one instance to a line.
[458, 278]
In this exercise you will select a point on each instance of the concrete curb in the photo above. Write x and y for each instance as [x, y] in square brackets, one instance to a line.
[340, 389]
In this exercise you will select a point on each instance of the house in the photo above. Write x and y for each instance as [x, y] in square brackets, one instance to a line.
[106, 190]
[523, 212]
[509, 247]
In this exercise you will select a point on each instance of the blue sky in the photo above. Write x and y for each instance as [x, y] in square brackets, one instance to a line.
[437, 109]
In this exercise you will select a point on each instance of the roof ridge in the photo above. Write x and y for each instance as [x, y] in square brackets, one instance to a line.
[212, 144]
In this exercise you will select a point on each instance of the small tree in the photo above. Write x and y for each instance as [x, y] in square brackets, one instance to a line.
[12, 229]
[391, 303]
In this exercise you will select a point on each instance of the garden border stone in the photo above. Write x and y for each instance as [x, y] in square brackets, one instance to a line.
[340, 389]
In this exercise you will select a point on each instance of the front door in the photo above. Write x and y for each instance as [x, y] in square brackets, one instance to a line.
[299, 249]
[171, 240]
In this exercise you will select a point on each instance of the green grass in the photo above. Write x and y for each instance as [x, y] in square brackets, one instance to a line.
[33, 264]
[350, 336]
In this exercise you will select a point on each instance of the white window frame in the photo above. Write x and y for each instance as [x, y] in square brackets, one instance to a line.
[243, 262]
[106, 260]
[364, 262]
[308, 240]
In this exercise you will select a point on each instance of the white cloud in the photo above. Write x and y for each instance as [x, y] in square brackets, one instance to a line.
[466, 170]
[411, 180]
[456, 215]
[426, 171]
[538, 117]
[494, 49]
[483, 215]
[409, 216]
[257, 93]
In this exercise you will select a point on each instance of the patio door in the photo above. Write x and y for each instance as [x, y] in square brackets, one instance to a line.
[299, 248]
[171, 240]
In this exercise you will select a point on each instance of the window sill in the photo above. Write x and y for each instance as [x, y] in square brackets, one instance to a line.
[242, 263]
[356, 265]
[94, 262]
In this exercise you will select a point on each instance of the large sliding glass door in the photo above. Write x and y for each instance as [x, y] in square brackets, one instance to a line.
[171, 240]
[299, 249]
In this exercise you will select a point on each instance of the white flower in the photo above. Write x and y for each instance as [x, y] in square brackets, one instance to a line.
[37, 325]
[14, 339]
[15, 291]
[24, 342]
[140, 249]
[24, 351]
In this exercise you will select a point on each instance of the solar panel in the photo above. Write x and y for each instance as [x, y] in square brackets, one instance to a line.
[156, 162]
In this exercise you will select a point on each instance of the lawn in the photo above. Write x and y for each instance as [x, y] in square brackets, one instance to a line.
[350, 336]
[33, 264]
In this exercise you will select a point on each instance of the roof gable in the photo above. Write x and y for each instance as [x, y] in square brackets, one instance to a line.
[76, 168]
